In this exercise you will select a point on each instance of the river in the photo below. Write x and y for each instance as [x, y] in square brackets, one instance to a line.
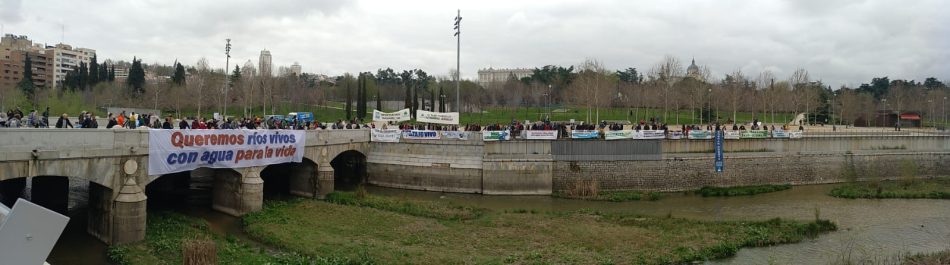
[873, 229]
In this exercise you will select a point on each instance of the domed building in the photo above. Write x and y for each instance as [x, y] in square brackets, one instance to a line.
[693, 71]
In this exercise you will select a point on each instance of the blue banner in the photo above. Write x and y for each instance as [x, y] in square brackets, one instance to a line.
[718, 150]
[585, 134]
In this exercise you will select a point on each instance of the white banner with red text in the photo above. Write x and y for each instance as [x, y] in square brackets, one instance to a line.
[171, 151]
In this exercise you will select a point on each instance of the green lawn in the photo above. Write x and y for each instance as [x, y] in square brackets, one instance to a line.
[389, 230]
[166, 231]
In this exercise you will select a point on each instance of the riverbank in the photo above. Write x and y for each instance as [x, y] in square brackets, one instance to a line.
[168, 230]
[740, 191]
[391, 230]
[936, 188]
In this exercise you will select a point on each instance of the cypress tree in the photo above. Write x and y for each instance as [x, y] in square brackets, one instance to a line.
[136, 79]
[104, 72]
[349, 97]
[379, 105]
[112, 74]
[179, 77]
[441, 100]
[93, 71]
[359, 96]
[83, 76]
[26, 83]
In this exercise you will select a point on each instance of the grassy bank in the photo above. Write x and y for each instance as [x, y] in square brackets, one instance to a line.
[941, 257]
[166, 231]
[374, 229]
[938, 188]
[614, 196]
[740, 191]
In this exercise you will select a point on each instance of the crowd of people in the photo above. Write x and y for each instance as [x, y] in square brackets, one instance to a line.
[15, 118]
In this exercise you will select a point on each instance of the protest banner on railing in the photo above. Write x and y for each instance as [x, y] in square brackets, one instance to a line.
[731, 135]
[779, 134]
[540, 135]
[385, 135]
[401, 115]
[585, 134]
[421, 135]
[795, 135]
[173, 151]
[649, 134]
[699, 134]
[754, 134]
[456, 135]
[618, 135]
[676, 135]
[437, 117]
[496, 135]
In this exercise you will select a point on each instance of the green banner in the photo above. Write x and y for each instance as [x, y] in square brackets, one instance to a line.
[757, 134]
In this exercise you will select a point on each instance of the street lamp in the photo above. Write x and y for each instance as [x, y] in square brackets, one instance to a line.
[884, 111]
[227, 82]
[931, 102]
[458, 58]
[945, 112]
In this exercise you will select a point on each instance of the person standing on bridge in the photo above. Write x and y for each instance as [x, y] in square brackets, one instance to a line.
[63, 122]
[183, 124]
[168, 123]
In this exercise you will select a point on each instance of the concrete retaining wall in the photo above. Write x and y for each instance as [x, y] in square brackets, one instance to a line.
[690, 173]
[517, 168]
[435, 165]
[815, 144]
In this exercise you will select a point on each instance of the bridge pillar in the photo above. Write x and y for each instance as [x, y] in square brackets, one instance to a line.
[238, 192]
[325, 178]
[129, 212]
[10, 190]
[120, 220]
[304, 180]
[51, 192]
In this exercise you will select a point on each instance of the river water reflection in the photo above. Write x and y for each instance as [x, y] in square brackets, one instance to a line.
[867, 228]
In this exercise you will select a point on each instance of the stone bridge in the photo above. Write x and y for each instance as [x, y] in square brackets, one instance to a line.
[114, 162]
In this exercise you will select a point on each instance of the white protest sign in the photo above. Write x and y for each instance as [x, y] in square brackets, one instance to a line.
[401, 115]
[437, 117]
[540, 135]
[385, 135]
[421, 135]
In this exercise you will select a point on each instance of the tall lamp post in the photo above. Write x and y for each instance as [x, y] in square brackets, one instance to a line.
[884, 112]
[227, 82]
[931, 113]
[458, 57]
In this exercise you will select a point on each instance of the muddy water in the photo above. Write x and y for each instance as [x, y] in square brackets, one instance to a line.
[872, 229]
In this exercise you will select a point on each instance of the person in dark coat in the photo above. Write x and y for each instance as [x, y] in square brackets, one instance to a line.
[63, 122]
[167, 124]
[183, 124]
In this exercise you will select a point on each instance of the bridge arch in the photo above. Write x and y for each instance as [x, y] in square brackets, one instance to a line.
[349, 170]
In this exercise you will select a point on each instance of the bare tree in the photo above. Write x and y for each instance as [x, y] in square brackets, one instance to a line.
[592, 87]
[667, 73]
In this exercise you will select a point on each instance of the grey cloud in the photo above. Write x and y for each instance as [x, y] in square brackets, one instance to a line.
[840, 42]
[10, 11]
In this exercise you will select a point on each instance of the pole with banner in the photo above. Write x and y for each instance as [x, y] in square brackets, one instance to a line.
[718, 149]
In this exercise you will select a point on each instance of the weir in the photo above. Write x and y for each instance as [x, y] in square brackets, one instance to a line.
[115, 164]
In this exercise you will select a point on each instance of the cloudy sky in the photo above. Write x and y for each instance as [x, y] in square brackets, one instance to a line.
[839, 42]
